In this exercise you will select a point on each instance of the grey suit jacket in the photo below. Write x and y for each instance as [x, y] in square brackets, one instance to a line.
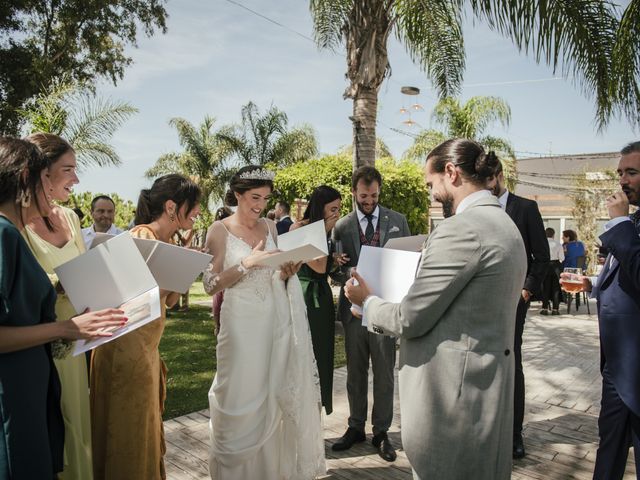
[457, 332]
[392, 225]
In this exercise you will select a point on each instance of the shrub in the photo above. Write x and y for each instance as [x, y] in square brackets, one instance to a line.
[403, 187]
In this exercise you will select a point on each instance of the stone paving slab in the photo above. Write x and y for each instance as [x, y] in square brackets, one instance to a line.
[561, 362]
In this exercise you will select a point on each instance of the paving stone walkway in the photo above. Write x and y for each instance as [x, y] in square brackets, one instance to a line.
[561, 356]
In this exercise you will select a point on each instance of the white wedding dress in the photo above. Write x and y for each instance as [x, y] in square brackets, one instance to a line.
[265, 398]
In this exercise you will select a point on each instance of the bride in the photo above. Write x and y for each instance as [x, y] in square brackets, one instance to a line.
[265, 397]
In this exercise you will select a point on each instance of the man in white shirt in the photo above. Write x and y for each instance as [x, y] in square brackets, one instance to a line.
[551, 283]
[103, 210]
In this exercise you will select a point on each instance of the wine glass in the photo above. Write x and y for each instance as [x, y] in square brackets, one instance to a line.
[339, 252]
[571, 281]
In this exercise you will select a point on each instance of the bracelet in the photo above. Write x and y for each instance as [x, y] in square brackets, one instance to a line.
[242, 269]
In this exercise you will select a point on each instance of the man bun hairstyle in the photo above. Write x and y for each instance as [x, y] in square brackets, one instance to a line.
[475, 164]
[168, 187]
[245, 179]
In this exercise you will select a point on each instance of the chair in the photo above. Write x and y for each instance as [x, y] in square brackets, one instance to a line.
[580, 263]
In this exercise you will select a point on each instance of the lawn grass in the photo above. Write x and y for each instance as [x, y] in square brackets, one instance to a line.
[188, 347]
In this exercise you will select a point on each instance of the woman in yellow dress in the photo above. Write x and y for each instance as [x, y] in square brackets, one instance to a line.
[127, 375]
[54, 240]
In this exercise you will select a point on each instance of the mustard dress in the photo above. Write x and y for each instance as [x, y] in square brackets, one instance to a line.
[72, 370]
[128, 389]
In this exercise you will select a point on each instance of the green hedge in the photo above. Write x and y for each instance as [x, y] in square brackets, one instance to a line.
[403, 186]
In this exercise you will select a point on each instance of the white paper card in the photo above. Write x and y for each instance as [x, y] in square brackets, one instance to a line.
[174, 268]
[389, 273]
[300, 245]
[139, 311]
[409, 244]
[107, 275]
[100, 238]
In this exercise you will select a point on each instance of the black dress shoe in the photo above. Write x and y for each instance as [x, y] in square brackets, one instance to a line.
[350, 437]
[518, 447]
[385, 449]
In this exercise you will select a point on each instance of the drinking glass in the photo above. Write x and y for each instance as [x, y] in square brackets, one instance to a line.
[571, 281]
[339, 252]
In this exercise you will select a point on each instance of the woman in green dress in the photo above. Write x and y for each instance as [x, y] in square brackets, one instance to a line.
[324, 204]
[31, 425]
[54, 241]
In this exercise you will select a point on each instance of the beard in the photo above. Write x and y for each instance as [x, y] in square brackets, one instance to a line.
[367, 210]
[632, 195]
[447, 205]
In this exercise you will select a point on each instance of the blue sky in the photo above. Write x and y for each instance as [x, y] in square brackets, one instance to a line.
[217, 56]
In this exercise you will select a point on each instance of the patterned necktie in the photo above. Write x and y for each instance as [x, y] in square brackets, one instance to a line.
[368, 233]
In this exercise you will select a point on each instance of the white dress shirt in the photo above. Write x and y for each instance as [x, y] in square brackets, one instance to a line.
[503, 199]
[89, 233]
[471, 198]
[362, 219]
[556, 252]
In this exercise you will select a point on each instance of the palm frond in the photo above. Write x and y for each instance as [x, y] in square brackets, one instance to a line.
[330, 18]
[431, 31]
[167, 163]
[483, 111]
[577, 35]
[296, 145]
[426, 141]
[626, 64]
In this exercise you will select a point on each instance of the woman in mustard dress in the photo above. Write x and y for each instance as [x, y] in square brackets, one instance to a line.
[54, 241]
[127, 375]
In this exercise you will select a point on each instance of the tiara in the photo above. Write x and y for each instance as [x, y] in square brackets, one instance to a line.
[258, 174]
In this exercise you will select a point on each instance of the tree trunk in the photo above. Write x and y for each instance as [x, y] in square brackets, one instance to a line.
[365, 110]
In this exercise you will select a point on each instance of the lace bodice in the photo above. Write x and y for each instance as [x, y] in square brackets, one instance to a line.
[257, 279]
[224, 272]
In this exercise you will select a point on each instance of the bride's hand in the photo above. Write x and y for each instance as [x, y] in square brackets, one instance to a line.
[289, 269]
[257, 255]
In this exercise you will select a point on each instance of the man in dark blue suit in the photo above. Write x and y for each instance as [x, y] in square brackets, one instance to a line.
[617, 290]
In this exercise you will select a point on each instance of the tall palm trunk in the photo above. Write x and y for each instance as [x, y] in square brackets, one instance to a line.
[367, 65]
[365, 111]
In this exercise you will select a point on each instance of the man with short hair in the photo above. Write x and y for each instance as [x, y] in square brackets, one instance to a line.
[617, 291]
[526, 216]
[551, 284]
[103, 210]
[283, 220]
[370, 224]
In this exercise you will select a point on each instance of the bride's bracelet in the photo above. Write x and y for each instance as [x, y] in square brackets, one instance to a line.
[242, 269]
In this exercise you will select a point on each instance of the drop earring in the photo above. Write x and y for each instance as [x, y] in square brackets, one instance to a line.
[24, 198]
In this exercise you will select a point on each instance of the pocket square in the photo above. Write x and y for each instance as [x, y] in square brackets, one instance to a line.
[394, 229]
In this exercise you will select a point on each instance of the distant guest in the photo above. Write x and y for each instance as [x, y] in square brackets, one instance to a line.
[283, 220]
[103, 210]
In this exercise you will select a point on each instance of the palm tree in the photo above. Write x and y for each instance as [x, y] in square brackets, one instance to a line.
[578, 34]
[204, 159]
[266, 139]
[86, 121]
[469, 120]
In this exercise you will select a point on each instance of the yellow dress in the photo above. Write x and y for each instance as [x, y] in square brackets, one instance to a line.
[128, 389]
[72, 370]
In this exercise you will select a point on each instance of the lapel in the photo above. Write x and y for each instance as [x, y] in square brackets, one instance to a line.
[355, 232]
[384, 225]
[510, 206]
[610, 266]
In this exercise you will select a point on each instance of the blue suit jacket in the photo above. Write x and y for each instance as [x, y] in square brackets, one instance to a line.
[618, 293]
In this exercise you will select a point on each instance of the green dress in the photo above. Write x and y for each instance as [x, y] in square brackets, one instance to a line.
[322, 323]
[31, 424]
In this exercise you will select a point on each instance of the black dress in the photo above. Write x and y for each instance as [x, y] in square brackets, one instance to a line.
[31, 424]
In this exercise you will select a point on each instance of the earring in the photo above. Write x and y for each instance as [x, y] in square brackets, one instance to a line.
[172, 216]
[24, 198]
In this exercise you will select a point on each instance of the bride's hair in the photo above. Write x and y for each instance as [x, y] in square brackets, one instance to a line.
[258, 177]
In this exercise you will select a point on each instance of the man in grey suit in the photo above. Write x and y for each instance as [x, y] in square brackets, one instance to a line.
[456, 325]
[370, 224]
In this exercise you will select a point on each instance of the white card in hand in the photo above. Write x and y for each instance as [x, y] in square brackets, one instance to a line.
[300, 245]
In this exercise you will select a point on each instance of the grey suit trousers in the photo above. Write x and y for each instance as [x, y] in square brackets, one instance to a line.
[360, 345]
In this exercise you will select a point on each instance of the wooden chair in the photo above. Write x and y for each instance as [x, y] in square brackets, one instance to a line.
[580, 263]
